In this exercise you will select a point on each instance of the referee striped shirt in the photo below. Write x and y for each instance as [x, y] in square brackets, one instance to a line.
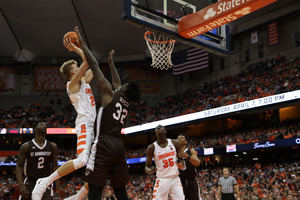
[227, 184]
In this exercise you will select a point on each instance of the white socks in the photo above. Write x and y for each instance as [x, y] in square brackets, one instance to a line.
[82, 192]
[50, 179]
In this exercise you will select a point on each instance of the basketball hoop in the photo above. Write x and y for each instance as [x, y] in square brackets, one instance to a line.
[161, 48]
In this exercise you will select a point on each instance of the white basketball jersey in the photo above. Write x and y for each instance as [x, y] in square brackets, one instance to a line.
[83, 102]
[165, 159]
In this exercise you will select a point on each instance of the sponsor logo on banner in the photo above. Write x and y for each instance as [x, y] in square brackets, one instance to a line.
[227, 6]
[266, 145]
[61, 131]
[136, 160]
[231, 148]
[14, 131]
[210, 13]
[209, 151]
[3, 131]
[5, 163]
[216, 15]
[219, 22]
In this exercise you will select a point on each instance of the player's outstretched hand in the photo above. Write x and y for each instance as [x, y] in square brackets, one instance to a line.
[61, 192]
[69, 45]
[110, 57]
[78, 34]
[180, 165]
[151, 170]
[183, 155]
[23, 191]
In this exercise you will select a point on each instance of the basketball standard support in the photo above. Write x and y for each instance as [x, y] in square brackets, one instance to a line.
[166, 17]
[216, 15]
[154, 18]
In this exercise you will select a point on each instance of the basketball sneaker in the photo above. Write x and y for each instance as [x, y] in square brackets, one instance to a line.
[39, 189]
[70, 198]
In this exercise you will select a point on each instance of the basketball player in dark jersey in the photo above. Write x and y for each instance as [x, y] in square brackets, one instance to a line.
[187, 176]
[107, 158]
[41, 156]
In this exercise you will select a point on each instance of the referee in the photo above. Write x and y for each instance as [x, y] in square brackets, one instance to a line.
[226, 184]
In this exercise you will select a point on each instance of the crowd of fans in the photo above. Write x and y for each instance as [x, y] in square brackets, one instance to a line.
[265, 78]
[19, 117]
[270, 181]
[288, 128]
[261, 79]
[273, 181]
[8, 187]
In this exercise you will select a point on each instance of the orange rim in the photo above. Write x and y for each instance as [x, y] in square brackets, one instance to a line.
[149, 32]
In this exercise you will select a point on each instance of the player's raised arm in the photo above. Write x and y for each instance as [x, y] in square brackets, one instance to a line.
[83, 67]
[177, 145]
[20, 168]
[103, 83]
[116, 81]
[88, 76]
[149, 169]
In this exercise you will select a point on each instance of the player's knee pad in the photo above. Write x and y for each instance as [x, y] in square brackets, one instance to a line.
[81, 160]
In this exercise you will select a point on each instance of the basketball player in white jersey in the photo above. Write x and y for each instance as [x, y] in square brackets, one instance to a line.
[82, 98]
[116, 82]
[165, 152]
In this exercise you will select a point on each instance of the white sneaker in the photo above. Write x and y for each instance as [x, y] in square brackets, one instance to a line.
[39, 189]
[70, 198]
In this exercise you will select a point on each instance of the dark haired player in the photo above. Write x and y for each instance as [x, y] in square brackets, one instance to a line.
[41, 161]
[107, 158]
[116, 82]
[187, 175]
[164, 151]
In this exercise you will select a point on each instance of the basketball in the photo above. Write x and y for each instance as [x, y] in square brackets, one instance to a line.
[73, 36]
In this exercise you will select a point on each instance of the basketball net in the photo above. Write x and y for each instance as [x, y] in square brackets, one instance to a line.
[161, 48]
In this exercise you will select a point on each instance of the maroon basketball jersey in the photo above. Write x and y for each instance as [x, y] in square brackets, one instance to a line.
[39, 160]
[112, 118]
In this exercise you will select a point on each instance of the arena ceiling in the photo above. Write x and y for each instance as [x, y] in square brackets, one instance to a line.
[38, 26]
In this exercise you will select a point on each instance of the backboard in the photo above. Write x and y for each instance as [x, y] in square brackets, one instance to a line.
[161, 17]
